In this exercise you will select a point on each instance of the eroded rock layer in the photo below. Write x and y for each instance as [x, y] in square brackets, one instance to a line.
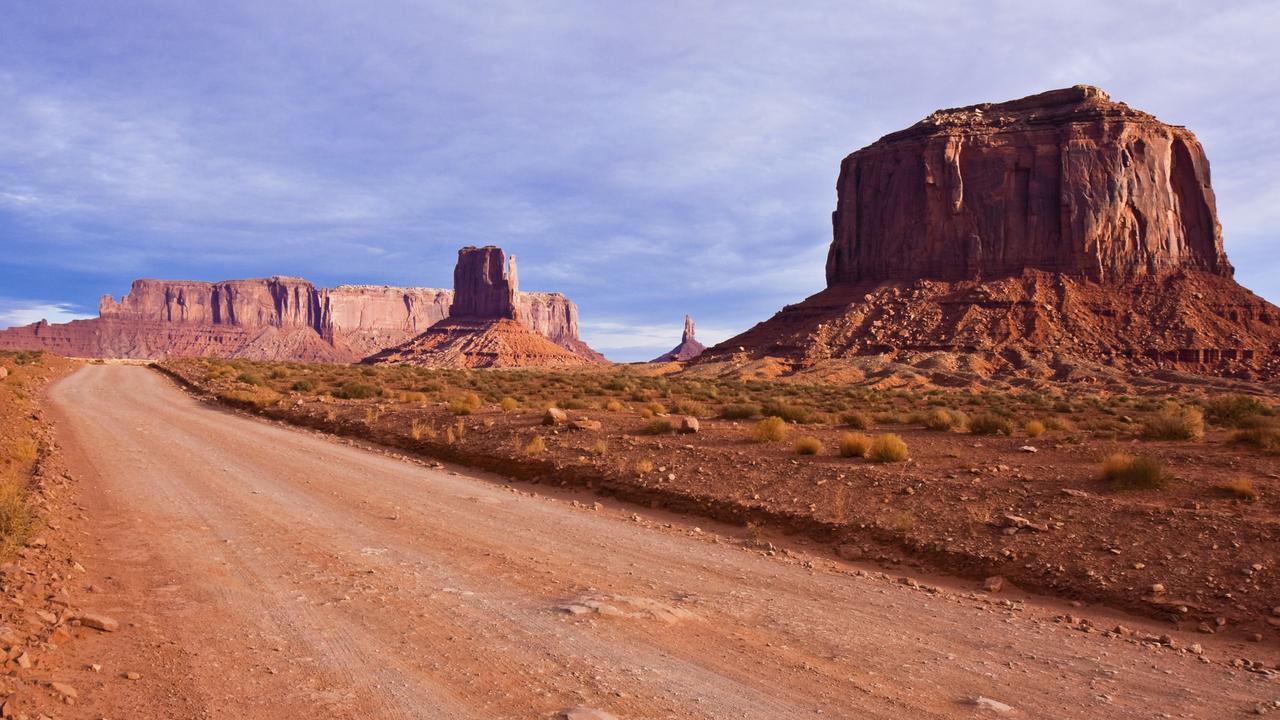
[1063, 224]
[276, 318]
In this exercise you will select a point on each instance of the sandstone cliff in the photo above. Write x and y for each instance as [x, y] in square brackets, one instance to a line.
[688, 349]
[272, 319]
[1060, 225]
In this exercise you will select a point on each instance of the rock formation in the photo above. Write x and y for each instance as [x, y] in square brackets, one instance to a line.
[484, 327]
[688, 349]
[1061, 223]
[276, 318]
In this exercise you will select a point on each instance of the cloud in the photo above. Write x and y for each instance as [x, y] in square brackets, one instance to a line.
[15, 312]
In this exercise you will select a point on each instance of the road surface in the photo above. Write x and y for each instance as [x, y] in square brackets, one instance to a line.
[266, 572]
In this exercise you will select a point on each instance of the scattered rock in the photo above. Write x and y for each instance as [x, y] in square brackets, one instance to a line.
[97, 621]
[993, 584]
[987, 703]
[131, 675]
[65, 690]
[586, 424]
[555, 416]
[689, 424]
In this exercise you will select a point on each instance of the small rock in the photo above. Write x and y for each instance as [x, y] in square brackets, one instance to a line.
[64, 690]
[585, 713]
[1028, 449]
[987, 703]
[555, 416]
[586, 424]
[98, 621]
[95, 667]
[689, 424]
[131, 675]
[23, 660]
[993, 584]
[1157, 588]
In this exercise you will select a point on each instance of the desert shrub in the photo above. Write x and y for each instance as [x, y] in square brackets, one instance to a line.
[15, 517]
[891, 418]
[600, 448]
[644, 466]
[656, 408]
[278, 373]
[509, 403]
[888, 448]
[1240, 488]
[1060, 423]
[258, 396]
[572, 404]
[1233, 410]
[904, 522]
[770, 429]
[357, 391]
[1263, 437]
[455, 432]
[1126, 472]
[1034, 428]
[24, 450]
[659, 426]
[808, 445]
[857, 420]
[613, 406]
[940, 419]
[1175, 423]
[691, 407]
[789, 412]
[250, 379]
[989, 424]
[854, 445]
[419, 429]
[536, 446]
[304, 386]
[646, 413]
[739, 411]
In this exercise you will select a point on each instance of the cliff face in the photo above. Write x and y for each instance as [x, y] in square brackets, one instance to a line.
[1061, 225]
[689, 347]
[272, 318]
[491, 325]
[1066, 181]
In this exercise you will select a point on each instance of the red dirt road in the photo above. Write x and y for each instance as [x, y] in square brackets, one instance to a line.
[264, 572]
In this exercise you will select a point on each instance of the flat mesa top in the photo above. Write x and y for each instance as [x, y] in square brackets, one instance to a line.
[1054, 107]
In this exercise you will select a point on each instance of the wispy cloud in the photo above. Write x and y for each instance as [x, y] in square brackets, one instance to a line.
[646, 159]
[15, 312]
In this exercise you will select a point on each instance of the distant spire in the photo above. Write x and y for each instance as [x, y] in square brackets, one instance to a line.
[512, 281]
[688, 329]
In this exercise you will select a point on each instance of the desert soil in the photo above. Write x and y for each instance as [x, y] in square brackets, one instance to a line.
[261, 571]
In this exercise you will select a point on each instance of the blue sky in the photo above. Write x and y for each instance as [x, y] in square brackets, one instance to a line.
[647, 159]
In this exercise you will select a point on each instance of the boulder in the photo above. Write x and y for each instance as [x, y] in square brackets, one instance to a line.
[688, 424]
[555, 416]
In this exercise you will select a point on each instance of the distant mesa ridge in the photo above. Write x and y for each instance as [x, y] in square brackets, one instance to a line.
[1063, 223]
[276, 318]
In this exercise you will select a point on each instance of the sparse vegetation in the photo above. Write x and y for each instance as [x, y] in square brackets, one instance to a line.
[509, 404]
[1175, 423]
[357, 391]
[739, 411]
[888, 448]
[659, 426]
[250, 379]
[644, 466]
[854, 445]
[536, 446]
[989, 424]
[1240, 488]
[1234, 410]
[770, 429]
[1034, 428]
[857, 420]
[1262, 437]
[1127, 472]
[940, 419]
[808, 445]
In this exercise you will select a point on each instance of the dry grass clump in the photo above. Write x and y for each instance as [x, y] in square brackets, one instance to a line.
[1059, 423]
[464, 404]
[24, 451]
[419, 429]
[1175, 423]
[613, 406]
[357, 391]
[509, 404]
[1234, 410]
[1263, 437]
[250, 379]
[989, 424]
[1127, 472]
[644, 466]
[1034, 428]
[857, 420]
[941, 419]
[600, 448]
[739, 411]
[789, 412]
[656, 408]
[770, 429]
[854, 445]
[691, 407]
[660, 426]
[1240, 488]
[888, 448]
[536, 446]
[808, 445]
[304, 385]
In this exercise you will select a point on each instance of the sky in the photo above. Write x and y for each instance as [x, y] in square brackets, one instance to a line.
[646, 159]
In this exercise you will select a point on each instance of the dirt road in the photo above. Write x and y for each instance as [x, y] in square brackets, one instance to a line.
[264, 572]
